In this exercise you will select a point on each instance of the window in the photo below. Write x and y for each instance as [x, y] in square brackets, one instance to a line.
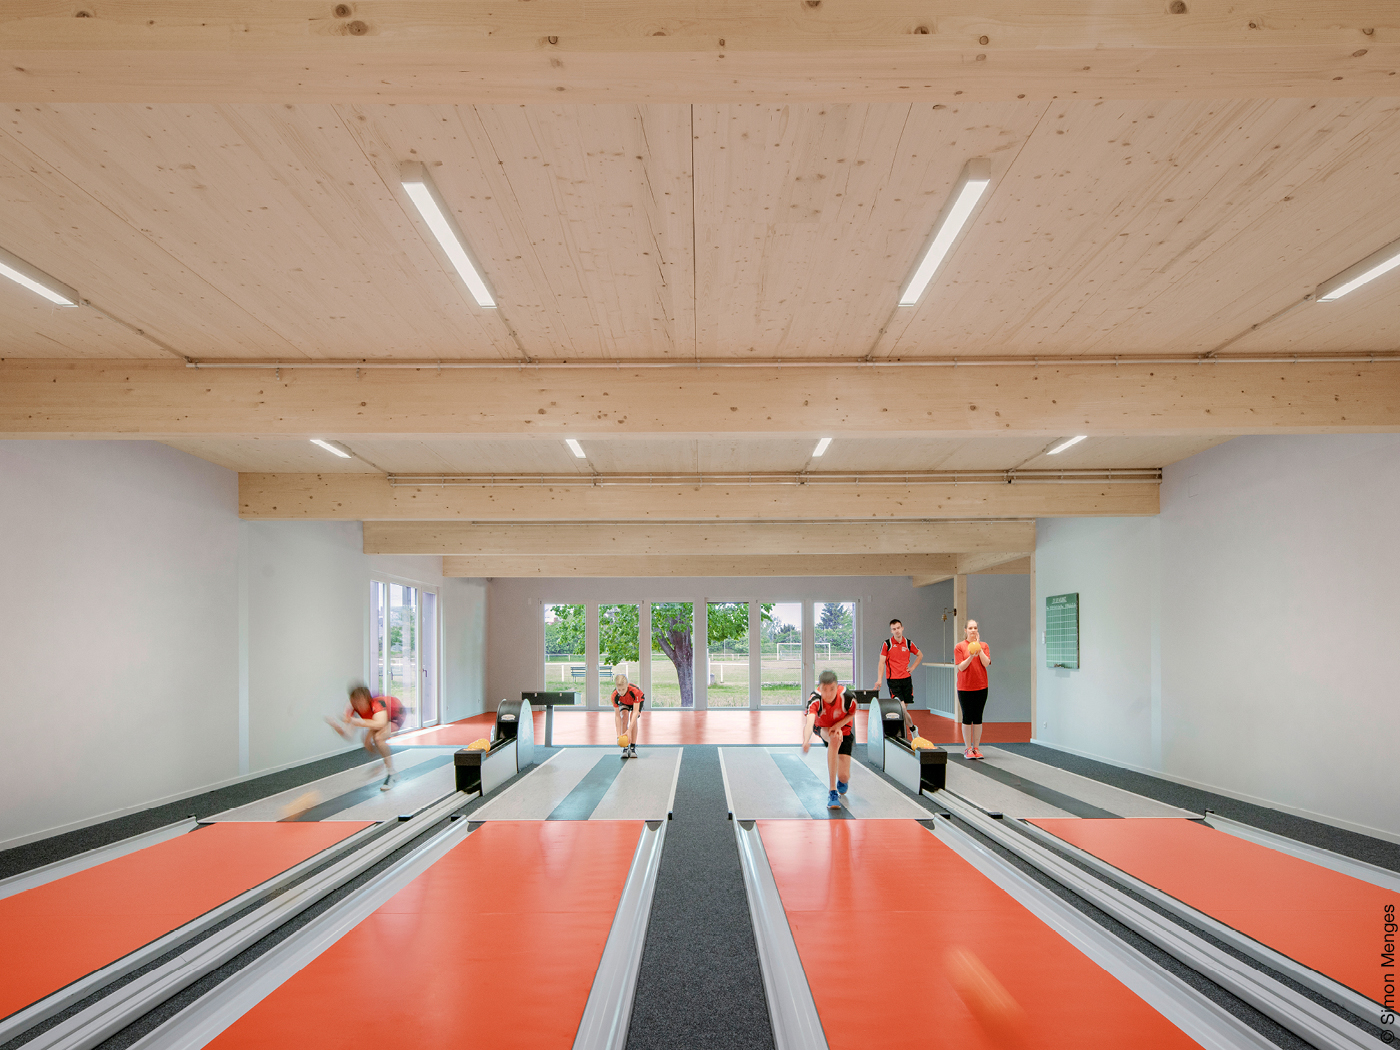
[619, 645]
[781, 641]
[565, 660]
[727, 625]
[403, 648]
[672, 655]
[834, 639]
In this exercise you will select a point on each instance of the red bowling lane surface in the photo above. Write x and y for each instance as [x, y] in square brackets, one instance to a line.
[886, 919]
[55, 933]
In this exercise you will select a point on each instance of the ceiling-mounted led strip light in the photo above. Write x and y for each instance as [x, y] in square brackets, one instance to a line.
[1066, 444]
[821, 448]
[575, 448]
[972, 183]
[1353, 277]
[333, 447]
[36, 280]
[433, 208]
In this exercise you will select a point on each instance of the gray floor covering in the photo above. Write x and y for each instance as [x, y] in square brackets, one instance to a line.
[699, 986]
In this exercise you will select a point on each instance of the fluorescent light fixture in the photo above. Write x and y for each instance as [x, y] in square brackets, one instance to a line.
[36, 280]
[331, 448]
[1066, 444]
[430, 205]
[1353, 277]
[971, 184]
[821, 447]
[575, 448]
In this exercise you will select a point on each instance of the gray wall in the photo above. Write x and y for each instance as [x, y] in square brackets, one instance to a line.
[1001, 606]
[1245, 639]
[157, 646]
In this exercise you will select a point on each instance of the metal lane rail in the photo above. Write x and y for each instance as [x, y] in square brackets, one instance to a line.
[1313, 1023]
[1347, 998]
[113, 1012]
[22, 1020]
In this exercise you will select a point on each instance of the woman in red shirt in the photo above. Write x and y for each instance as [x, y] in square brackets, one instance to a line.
[627, 702]
[972, 657]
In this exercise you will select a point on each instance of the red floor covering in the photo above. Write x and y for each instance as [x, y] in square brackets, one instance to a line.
[496, 945]
[55, 933]
[1321, 918]
[696, 727]
[876, 907]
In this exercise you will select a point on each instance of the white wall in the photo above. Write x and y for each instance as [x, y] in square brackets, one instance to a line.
[515, 633]
[1245, 640]
[1001, 607]
[155, 646]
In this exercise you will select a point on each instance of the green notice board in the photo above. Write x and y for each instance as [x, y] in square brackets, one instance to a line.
[1062, 630]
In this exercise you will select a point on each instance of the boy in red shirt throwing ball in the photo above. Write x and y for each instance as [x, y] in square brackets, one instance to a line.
[972, 658]
[627, 708]
[835, 716]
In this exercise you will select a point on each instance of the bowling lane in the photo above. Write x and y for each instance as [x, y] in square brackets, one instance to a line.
[883, 912]
[1113, 800]
[337, 793]
[53, 934]
[1321, 918]
[496, 945]
[775, 783]
[591, 783]
[991, 794]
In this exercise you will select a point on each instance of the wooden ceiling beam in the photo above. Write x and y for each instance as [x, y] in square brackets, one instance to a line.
[630, 51]
[155, 400]
[630, 539]
[563, 565]
[370, 497]
[979, 564]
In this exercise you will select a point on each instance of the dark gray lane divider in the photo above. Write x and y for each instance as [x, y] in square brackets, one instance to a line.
[1058, 799]
[809, 788]
[580, 803]
[700, 985]
[340, 803]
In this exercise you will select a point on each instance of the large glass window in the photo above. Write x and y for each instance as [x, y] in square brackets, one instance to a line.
[402, 655]
[781, 639]
[834, 640]
[672, 655]
[619, 642]
[727, 625]
[565, 659]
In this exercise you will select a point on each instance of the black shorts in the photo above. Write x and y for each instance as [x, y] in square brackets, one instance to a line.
[626, 707]
[902, 689]
[972, 702]
[848, 741]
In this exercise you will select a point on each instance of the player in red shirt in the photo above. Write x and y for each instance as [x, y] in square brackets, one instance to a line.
[627, 703]
[380, 717]
[972, 657]
[830, 711]
[895, 655]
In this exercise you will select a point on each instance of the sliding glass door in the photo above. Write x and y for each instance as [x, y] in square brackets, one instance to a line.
[404, 649]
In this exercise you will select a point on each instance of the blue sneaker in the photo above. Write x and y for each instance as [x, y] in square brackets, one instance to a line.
[842, 787]
[833, 800]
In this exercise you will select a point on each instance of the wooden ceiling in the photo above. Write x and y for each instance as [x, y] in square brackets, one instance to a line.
[712, 455]
[612, 232]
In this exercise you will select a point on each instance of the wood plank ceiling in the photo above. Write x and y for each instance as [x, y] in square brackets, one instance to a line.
[617, 231]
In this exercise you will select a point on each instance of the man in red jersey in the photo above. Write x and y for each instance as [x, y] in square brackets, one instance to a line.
[895, 655]
[627, 702]
[972, 657]
[380, 717]
[830, 711]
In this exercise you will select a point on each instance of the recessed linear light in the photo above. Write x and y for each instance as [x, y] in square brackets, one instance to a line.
[1066, 444]
[36, 280]
[330, 447]
[821, 447]
[971, 184]
[1353, 277]
[575, 448]
[430, 205]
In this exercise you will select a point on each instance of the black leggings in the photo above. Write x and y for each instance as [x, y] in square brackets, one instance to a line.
[972, 702]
